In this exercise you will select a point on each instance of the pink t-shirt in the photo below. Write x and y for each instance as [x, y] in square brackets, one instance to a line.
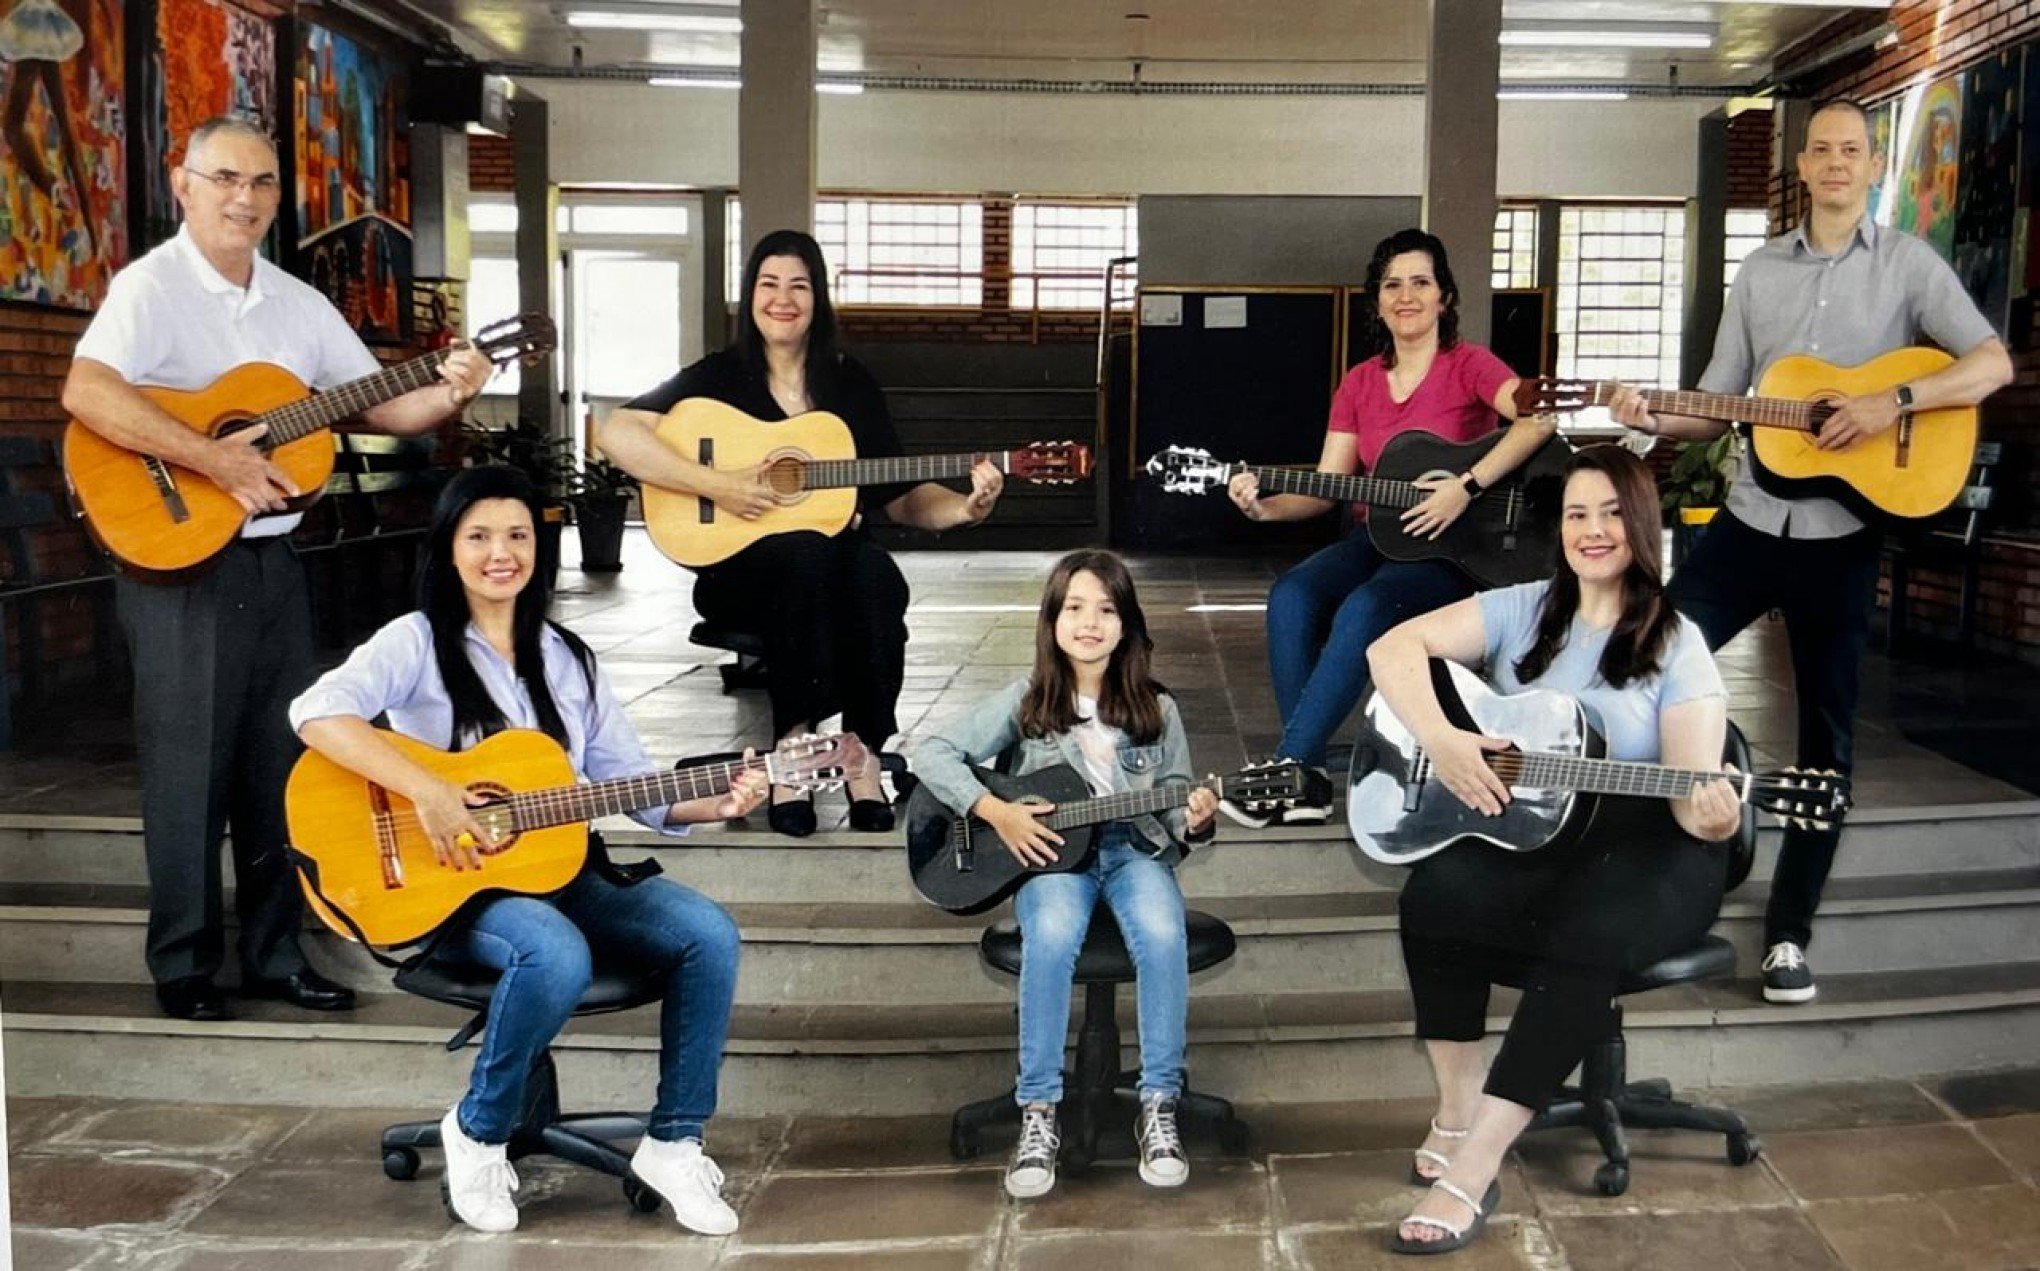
[1456, 400]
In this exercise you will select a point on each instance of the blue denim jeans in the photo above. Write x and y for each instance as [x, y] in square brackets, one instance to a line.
[546, 950]
[1323, 614]
[1055, 912]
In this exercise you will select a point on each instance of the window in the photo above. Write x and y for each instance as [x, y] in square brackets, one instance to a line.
[1621, 284]
[1747, 230]
[888, 252]
[1515, 253]
[1060, 251]
[491, 297]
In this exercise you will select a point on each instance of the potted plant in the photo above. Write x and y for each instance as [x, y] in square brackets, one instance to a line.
[600, 494]
[1695, 488]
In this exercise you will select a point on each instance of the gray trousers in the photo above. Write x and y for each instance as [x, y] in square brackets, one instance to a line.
[217, 662]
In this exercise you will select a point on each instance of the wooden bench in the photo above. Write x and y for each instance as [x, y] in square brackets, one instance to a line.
[31, 518]
[360, 542]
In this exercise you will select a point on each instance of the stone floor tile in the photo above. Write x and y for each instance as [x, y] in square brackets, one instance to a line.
[1289, 1128]
[59, 1251]
[1669, 1170]
[815, 1142]
[77, 1191]
[960, 1257]
[1742, 1240]
[2017, 1139]
[1178, 1251]
[1991, 1094]
[32, 1121]
[1506, 1245]
[1361, 1188]
[561, 1202]
[526, 1251]
[1111, 1197]
[325, 1202]
[344, 1136]
[179, 1129]
[1893, 1161]
[298, 1256]
[1984, 1229]
[796, 1209]
[1847, 1105]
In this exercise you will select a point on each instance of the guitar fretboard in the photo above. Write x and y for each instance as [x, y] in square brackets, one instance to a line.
[1112, 807]
[834, 474]
[1766, 412]
[304, 417]
[1541, 771]
[564, 805]
[1373, 491]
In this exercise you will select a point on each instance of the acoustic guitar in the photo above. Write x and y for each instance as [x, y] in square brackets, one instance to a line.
[958, 863]
[369, 872]
[1911, 471]
[811, 463]
[1557, 773]
[158, 518]
[1507, 535]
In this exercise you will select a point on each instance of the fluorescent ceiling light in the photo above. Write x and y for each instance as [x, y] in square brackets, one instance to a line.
[722, 81]
[1606, 35]
[646, 20]
[1563, 94]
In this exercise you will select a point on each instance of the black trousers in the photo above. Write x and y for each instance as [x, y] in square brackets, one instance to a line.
[217, 662]
[1566, 923]
[832, 613]
[1827, 589]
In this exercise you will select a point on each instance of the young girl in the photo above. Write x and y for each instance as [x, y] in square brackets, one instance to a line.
[1091, 704]
[477, 656]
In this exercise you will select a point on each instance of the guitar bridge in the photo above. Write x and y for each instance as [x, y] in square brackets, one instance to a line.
[706, 458]
[386, 838]
[166, 486]
[1905, 435]
[966, 852]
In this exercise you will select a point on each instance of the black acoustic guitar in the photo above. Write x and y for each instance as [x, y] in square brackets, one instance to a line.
[1507, 535]
[1557, 776]
[959, 864]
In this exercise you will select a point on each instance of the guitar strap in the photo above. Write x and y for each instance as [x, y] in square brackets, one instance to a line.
[310, 869]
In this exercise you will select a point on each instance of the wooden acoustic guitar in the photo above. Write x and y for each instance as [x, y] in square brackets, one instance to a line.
[958, 863]
[812, 464]
[1507, 535]
[158, 518]
[1557, 773]
[368, 869]
[1912, 470]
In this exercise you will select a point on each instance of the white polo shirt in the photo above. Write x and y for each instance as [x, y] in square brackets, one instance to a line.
[172, 321]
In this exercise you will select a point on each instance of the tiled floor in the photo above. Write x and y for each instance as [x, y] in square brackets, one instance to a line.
[1885, 1175]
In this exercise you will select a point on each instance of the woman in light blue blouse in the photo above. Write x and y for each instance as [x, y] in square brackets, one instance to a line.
[479, 655]
[1576, 917]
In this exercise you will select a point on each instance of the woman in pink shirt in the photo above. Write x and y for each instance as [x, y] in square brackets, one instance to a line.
[1324, 613]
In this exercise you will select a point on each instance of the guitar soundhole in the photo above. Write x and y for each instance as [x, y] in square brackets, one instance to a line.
[786, 473]
[495, 817]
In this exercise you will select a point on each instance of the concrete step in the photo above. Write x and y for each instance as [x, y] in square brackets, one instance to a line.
[912, 953]
[851, 1058]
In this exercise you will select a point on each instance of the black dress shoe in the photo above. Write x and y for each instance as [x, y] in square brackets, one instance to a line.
[307, 989]
[873, 816]
[193, 997]
[794, 818]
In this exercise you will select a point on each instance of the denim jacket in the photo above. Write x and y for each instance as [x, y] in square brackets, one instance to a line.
[985, 732]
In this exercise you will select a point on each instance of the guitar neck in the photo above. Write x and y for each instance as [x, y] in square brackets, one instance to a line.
[1765, 412]
[1606, 776]
[565, 805]
[1374, 491]
[1117, 807]
[834, 474]
[322, 410]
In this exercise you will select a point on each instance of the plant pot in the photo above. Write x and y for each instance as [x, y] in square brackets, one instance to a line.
[600, 519]
[1686, 530]
[551, 523]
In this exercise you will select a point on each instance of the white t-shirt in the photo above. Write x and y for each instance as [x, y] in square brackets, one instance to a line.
[172, 321]
[1098, 742]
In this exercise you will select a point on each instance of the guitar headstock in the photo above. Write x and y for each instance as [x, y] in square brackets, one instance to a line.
[1265, 787]
[1809, 800]
[1549, 395]
[1187, 470]
[1050, 462]
[525, 338]
[818, 762]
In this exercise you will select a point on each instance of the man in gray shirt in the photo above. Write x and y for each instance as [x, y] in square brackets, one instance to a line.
[1844, 290]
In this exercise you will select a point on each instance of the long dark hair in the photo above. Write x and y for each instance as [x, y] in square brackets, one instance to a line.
[820, 370]
[1410, 240]
[1130, 699]
[1637, 645]
[443, 601]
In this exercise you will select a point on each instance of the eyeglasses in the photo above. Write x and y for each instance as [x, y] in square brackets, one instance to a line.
[265, 186]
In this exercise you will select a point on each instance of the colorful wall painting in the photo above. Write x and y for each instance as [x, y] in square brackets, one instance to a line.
[1883, 139]
[206, 58]
[1930, 139]
[1988, 182]
[63, 150]
[353, 180]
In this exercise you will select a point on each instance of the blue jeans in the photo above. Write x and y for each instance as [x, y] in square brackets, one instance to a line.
[1055, 912]
[1323, 614]
[543, 949]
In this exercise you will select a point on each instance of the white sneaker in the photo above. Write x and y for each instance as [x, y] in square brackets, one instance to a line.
[1163, 1163]
[479, 1185]
[1031, 1172]
[688, 1180]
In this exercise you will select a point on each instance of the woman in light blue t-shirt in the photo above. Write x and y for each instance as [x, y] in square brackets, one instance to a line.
[1578, 916]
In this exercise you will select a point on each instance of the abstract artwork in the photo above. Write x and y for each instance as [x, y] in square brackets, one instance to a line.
[1930, 142]
[353, 181]
[1883, 142]
[63, 150]
[1988, 182]
[206, 58]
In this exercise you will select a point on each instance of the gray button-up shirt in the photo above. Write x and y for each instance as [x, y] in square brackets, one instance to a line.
[1883, 291]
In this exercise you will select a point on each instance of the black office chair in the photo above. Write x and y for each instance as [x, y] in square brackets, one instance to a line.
[1606, 1100]
[1100, 1100]
[583, 1139]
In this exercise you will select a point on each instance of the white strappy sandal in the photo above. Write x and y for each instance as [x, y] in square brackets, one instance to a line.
[1455, 1237]
[1442, 1161]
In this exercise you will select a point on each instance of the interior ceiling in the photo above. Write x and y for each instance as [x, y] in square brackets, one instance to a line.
[1274, 41]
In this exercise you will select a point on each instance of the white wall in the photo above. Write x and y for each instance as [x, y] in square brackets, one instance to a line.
[607, 133]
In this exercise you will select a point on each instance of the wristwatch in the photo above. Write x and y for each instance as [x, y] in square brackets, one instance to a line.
[1471, 484]
[1905, 399]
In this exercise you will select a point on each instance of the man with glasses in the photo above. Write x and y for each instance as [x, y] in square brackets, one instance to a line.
[218, 658]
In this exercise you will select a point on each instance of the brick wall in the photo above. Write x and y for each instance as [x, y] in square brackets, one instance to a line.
[492, 164]
[1749, 160]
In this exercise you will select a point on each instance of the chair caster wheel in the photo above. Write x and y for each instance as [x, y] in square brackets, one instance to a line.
[1744, 1148]
[963, 1144]
[642, 1198]
[1611, 1179]
[400, 1163]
